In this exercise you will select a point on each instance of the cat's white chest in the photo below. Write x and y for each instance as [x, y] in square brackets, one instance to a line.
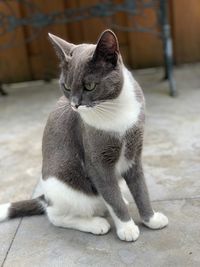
[123, 164]
[117, 115]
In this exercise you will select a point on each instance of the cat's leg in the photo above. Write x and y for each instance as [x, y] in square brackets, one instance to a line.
[108, 188]
[70, 208]
[136, 183]
[124, 190]
[94, 225]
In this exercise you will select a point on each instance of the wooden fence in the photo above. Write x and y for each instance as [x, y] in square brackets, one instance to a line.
[36, 59]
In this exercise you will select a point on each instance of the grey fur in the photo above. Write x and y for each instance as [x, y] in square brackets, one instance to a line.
[27, 208]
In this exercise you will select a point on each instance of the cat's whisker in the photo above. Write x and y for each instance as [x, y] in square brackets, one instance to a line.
[110, 103]
[106, 113]
[99, 113]
[115, 107]
[107, 110]
[62, 102]
[61, 106]
[110, 108]
[107, 106]
[62, 114]
[102, 110]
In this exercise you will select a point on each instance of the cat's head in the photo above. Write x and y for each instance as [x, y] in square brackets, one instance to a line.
[90, 74]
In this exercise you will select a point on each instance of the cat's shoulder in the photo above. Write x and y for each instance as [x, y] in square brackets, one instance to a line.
[62, 110]
[62, 119]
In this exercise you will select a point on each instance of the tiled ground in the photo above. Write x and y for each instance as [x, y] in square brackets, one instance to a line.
[172, 166]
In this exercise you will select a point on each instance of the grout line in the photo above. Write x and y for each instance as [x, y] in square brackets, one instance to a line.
[177, 199]
[12, 242]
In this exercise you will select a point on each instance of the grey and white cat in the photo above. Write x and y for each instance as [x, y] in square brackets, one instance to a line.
[92, 141]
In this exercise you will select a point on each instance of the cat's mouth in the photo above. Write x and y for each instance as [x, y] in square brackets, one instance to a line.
[81, 108]
[84, 107]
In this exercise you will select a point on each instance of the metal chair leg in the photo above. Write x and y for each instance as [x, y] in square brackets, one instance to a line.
[167, 47]
[2, 91]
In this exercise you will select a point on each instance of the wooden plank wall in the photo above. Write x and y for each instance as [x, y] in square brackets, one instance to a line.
[14, 63]
[186, 30]
[37, 60]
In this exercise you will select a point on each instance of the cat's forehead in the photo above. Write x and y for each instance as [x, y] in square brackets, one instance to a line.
[77, 65]
[83, 51]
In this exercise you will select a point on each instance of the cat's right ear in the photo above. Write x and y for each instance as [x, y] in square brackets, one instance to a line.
[107, 49]
[62, 47]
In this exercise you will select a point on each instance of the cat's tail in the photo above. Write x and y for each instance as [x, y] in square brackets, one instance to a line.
[30, 207]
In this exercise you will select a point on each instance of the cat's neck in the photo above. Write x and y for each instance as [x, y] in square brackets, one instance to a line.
[117, 115]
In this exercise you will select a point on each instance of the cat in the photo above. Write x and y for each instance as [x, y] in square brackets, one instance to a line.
[92, 141]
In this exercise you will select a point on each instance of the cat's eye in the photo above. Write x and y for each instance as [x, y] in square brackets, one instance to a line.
[65, 87]
[90, 86]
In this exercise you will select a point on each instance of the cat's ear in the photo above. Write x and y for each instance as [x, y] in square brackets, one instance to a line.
[61, 46]
[107, 48]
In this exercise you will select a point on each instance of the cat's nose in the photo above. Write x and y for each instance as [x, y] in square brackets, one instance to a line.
[75, 103]
[74, 106]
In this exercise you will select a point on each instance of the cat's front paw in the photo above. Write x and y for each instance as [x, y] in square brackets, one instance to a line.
[129, 231]
[157, 221]
[100, 226]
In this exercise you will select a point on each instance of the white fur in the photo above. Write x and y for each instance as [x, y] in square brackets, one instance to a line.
[4, 211]
[68, 201]
[94, 225]
[116, 115]
[73, 209]
[126, 231]
[157, 221]
[123, 164]
[126, 194]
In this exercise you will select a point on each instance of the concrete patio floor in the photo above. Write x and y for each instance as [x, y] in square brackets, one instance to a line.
[172, 167]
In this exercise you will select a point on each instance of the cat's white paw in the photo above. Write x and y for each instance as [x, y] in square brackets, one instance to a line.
[100, 226]
[157, 221]
[129, 231]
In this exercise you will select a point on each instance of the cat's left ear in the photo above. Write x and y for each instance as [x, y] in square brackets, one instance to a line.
[62, 47]
[107, 49]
